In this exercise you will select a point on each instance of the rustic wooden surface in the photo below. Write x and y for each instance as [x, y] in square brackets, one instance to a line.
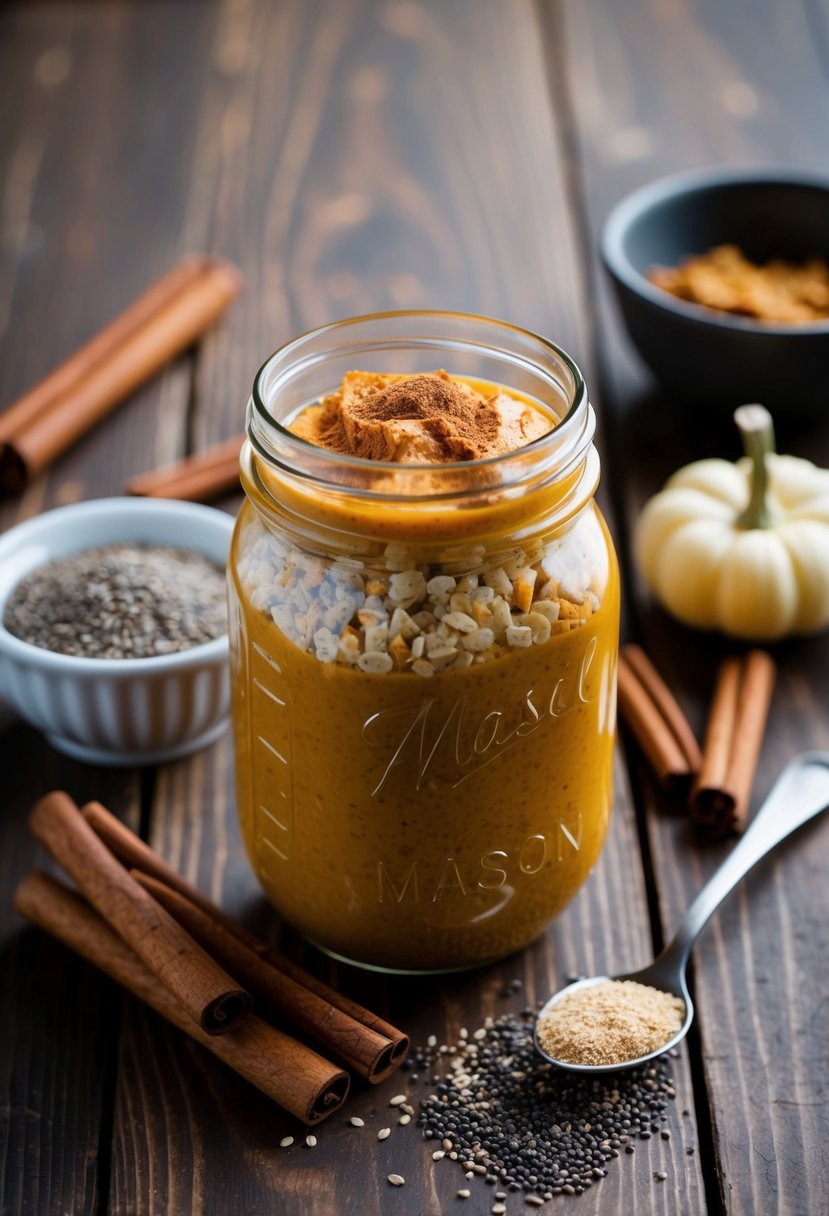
[352, 156]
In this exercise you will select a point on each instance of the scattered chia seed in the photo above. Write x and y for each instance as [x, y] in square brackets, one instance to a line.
[529, 1127]
[124, 601]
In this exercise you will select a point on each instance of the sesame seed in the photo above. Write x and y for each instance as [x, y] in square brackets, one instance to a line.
[396, 1179]
[384, 1133]
[464, 1194]
[397, 1100]
[356, 1122]
[438, 1154]
[404, 1119]
[286, 1142]
[660, 1176]
[311, 1141]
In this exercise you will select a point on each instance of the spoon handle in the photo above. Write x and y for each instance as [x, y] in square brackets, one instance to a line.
[800, 793]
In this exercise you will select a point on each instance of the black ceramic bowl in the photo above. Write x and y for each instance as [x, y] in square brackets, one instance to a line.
[714, 358]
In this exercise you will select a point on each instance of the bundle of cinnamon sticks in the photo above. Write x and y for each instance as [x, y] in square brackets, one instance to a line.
[156, 327]
[717, 779]
[146, 927]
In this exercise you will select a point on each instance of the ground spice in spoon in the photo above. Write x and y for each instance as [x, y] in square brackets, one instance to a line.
[610, 1023]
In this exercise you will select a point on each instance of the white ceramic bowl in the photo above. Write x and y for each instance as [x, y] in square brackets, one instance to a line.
[116, 711]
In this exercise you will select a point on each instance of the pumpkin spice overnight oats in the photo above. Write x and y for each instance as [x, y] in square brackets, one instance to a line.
[424, 625]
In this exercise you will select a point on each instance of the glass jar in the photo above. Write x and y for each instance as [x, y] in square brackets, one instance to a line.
[414, 798]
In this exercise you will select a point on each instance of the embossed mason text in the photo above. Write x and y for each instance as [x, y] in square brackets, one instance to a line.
[463, 740]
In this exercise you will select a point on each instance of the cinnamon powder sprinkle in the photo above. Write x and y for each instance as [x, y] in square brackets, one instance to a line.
[425, 418]
[461, 423]
[610, 1023]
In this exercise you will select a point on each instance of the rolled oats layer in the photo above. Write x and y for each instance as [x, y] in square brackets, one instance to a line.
[396, 616]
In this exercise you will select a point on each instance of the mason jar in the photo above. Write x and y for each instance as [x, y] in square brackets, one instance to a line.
[415, 797]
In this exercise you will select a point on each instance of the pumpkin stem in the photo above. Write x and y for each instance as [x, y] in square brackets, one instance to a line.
[757, 430]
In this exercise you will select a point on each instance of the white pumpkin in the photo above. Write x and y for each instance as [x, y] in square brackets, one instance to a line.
[742, 548]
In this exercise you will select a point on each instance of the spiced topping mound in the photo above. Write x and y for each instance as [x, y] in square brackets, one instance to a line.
[460, 424]
[428, 418]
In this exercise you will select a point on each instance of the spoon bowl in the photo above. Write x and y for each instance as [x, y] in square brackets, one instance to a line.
[800, 793]
[657, 975]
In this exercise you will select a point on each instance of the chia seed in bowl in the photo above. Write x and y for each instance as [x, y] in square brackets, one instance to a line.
[121, 601]
[144, 677]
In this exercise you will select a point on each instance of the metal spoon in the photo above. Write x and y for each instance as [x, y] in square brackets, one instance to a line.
[800, 793]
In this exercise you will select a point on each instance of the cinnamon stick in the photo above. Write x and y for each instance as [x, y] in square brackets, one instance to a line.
[362, 1050]
[733, 739]
[290, 1073]
[655, 719]
[72, 371]
[198, 478]
[137, 344]
[212, 999]
[134, 853]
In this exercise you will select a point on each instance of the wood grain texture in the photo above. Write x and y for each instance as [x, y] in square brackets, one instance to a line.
[354, 155]
[72, 205]
[657, 88]
[104, 91]
[59, 1017]
[388, 171]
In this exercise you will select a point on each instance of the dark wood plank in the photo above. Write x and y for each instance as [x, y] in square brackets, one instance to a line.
[93, 153]
[94, 212]
[165, 1083]
[60, 1019]
[368, 160]
[656, 89]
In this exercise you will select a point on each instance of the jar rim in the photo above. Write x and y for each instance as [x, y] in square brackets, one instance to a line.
[556, 451]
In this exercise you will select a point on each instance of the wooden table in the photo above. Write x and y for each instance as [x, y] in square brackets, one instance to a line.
[351, 156]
